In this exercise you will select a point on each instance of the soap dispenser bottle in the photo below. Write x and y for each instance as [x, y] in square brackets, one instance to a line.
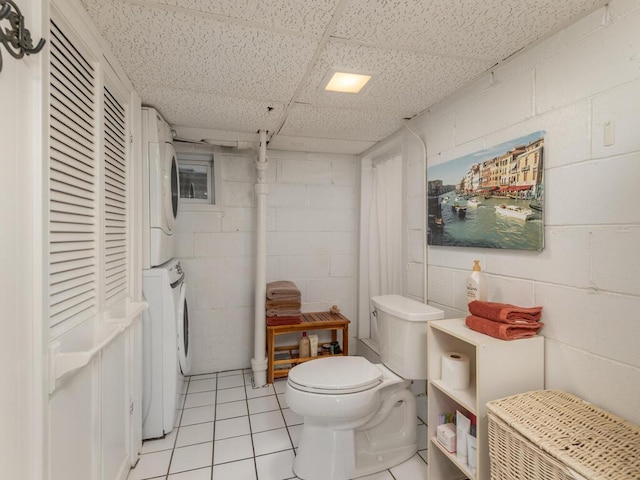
[476, 284]
[303, 349]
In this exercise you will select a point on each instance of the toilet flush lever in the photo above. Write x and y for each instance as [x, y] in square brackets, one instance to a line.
[374, 312]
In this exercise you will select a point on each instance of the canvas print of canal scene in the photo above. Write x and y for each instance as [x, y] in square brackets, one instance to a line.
[493, 198]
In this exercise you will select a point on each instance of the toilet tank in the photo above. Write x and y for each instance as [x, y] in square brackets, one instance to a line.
[402, 334]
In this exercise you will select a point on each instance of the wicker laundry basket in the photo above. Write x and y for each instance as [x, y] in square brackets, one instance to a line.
[553, 435]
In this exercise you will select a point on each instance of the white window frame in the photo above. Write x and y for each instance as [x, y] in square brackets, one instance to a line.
[214, 180]
[200, 160]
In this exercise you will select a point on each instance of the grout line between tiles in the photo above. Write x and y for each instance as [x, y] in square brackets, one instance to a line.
[285, 422]
[175, 440]
[253, 447]
[215, 415]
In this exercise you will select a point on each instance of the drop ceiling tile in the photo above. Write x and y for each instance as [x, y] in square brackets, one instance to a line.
[172, 48]
[402, 80]
[293, 15]
[194, 109]
[490, 29]
[363, 125]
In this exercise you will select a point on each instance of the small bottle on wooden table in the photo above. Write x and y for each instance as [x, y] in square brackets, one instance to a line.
[303, 349]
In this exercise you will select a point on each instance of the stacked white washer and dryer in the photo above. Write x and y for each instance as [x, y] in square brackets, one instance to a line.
[166, 353]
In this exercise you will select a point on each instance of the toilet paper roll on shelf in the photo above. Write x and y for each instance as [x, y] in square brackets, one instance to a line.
[455, 370]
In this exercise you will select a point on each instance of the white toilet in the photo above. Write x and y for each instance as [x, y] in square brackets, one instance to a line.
[360, 418]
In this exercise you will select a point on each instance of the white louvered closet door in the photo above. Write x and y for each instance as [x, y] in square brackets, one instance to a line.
[93, 417]
[73, 215]
[114, 155]
[88, 214]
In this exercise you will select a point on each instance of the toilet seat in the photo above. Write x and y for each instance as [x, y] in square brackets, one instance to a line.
[335, 375]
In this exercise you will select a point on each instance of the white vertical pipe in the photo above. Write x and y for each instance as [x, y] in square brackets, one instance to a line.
[259, 360]
[425, 270]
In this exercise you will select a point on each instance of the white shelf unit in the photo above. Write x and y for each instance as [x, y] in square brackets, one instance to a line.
[498, 368]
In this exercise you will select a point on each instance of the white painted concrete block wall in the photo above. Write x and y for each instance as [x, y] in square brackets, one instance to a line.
[587, 278]
[311, 239]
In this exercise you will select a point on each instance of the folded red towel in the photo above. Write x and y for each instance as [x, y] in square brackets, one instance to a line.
[503, 331]
[294, 312]
[504, 312]
[282, 289]
[275, 321]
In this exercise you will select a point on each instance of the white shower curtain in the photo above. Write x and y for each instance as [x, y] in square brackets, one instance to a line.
[385, 232]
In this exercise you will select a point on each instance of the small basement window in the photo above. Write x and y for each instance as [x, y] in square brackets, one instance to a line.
[197, 178]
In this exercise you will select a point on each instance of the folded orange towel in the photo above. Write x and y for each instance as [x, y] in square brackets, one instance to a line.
[503, 331]
[283, 304]
[282, 289]
[275, 321]
[504, 312]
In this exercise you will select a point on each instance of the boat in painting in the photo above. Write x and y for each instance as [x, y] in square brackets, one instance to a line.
[535, 205]
[513, 211]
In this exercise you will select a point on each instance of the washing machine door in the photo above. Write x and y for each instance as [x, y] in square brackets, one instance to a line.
[170, 186]
[184, 344]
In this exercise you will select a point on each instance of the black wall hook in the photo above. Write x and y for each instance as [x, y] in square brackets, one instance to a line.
[16, 39]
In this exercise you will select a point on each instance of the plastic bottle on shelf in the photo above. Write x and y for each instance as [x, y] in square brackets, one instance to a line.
[303, 349]
[313, 345]
[476, 284]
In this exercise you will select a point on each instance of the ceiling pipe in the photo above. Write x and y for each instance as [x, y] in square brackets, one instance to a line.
[259, 360]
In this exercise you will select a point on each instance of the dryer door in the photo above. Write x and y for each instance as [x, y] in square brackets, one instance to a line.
[170, 186]
[184, 345]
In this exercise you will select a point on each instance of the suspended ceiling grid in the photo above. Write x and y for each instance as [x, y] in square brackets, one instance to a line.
[229, 68]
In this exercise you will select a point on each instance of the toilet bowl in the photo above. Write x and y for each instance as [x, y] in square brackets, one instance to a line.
[360, 417]
[345, 403]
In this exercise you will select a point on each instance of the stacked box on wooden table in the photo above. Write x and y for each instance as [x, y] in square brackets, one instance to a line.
[554, 435]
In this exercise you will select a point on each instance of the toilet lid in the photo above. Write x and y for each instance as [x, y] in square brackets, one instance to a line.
[335, 375]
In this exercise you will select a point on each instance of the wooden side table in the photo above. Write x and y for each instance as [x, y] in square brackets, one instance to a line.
[309, 322]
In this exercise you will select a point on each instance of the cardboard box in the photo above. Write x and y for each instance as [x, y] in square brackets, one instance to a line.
[446, 436]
